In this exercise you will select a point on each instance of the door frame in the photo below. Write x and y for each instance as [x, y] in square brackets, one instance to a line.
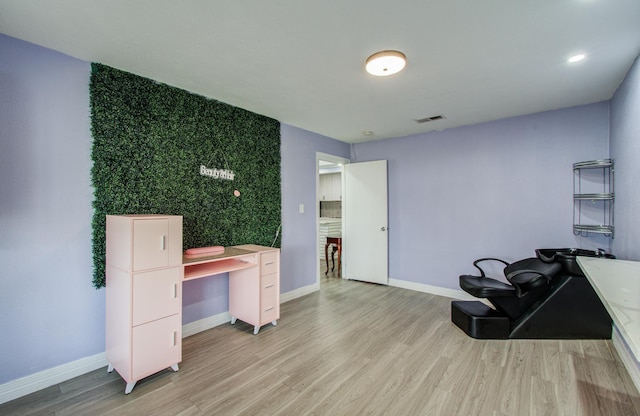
[335, 159]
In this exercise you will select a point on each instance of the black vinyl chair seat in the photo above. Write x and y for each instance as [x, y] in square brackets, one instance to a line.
[530, 273]
[485, 287]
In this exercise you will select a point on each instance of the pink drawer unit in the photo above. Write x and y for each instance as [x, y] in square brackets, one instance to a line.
[269, 262]
[254, 294]
[269, 298]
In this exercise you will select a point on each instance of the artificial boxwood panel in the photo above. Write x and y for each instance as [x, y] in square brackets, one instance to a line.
[149, 142]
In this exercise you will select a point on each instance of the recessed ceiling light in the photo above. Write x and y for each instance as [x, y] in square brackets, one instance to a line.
[385, 63]
[367, 133]
[576, 58]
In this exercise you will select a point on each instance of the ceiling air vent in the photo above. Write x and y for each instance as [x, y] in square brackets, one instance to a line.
[432, 118]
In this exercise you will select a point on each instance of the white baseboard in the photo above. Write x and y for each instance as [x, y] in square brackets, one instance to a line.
[203, 324]
[298, 293]
[627, 358]
[43, 379]
[434, 290]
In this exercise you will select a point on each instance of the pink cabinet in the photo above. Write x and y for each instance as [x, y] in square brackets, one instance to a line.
[156, 346]
[144, 295]
[156, 294]
[254, 293]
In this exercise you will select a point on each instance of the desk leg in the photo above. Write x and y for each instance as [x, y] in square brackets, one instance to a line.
[129, 387]
[256, 329]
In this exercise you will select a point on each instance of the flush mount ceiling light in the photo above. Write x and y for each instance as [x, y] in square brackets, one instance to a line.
[385, 63]
[576, 58]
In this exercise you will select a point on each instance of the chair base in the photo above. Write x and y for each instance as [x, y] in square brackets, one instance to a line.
[572, 310]
[479, 321]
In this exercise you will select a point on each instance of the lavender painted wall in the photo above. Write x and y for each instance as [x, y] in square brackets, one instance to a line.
[625, 151]
[205, 297]
[498, 189]
[298, 172]
[50, 313]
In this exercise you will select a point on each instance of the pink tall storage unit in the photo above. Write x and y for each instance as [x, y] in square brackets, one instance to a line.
[144, 295]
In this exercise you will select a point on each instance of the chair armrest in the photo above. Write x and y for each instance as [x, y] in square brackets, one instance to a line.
[482, 274]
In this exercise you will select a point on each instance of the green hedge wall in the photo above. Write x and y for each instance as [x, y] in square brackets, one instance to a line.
[149, 141]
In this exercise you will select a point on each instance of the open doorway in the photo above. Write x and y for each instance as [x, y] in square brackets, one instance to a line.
[329, 219]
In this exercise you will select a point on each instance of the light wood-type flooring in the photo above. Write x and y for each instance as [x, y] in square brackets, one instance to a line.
[357, 349]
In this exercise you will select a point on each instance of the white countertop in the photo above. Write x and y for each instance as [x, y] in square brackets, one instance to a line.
[617, 283]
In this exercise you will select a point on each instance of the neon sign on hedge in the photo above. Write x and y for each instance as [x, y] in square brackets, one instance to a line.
[217, 173]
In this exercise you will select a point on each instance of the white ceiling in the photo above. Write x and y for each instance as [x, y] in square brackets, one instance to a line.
[302, 61]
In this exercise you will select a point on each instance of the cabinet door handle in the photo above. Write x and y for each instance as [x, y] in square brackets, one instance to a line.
[267, 310]
[175, 338]
[163, 243]
[175, 290]
[268, 286]
[269, 263]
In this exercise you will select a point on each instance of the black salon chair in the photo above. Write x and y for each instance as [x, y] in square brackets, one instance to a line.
[542, 299]
[529, 280]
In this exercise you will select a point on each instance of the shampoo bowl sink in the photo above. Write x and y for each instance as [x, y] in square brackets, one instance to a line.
[567, 257]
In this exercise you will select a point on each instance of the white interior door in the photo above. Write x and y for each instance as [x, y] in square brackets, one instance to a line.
[365, 241]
